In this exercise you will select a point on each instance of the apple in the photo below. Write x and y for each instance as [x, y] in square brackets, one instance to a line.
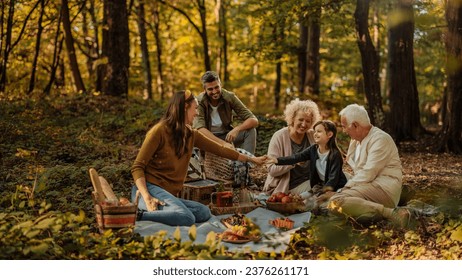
[286, 199]
[279, 196]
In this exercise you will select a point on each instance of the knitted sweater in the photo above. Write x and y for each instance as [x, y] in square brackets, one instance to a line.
[278, 177]
[158, 163]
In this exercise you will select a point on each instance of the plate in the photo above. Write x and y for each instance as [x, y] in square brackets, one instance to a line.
[236, 219]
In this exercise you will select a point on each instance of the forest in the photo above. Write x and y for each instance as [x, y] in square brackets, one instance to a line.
[81, 82]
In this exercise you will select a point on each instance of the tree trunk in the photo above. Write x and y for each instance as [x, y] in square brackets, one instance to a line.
[116, 48]
[7, 47]
[404, 99]
[277, 86]
[302, 56]
[451, 133]
[278, 33]
[203, 16]
[312, 68]
[69, 40]
[156, 31]
[202, 31]
[370, 63]
[37, 47]
[147, 94]
[57, 48]
[223, 33]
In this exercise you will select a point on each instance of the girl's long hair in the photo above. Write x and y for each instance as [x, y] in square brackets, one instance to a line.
[174, 118]
[332, 143]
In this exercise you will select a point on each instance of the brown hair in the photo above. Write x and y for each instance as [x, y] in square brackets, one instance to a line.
[332, 143]
[174, 118]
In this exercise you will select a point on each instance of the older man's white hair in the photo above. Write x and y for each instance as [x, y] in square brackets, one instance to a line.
[355, 113]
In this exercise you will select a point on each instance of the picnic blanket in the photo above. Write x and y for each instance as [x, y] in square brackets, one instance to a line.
[273, 239]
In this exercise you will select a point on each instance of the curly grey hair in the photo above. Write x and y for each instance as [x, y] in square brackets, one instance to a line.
[307, 106]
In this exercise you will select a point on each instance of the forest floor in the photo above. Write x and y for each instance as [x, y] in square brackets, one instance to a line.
[49, 145]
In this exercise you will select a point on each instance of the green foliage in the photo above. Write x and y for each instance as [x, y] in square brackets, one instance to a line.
[31, 229]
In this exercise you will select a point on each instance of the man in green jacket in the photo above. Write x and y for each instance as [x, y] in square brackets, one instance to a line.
[215, 115]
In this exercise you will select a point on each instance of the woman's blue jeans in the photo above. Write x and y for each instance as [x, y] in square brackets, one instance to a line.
[176, 212]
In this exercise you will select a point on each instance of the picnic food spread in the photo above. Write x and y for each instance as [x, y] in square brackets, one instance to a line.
[284, 197]
[240, 229]
[285, 203]
[282, 223]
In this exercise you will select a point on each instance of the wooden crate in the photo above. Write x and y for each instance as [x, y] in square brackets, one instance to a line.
[199, 190]
[110, 212]
[111, 216]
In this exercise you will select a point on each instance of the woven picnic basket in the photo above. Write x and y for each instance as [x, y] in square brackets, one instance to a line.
[218, 168]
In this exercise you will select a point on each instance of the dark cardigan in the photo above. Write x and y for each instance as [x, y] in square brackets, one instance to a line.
[334, 176]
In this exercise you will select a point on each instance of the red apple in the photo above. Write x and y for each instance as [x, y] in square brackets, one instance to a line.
[286, 199]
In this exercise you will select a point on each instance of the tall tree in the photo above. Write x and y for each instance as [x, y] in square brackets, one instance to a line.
[69, 40]
[144, 50]
[222, 58]
[202, 30]
[302, 50]
[6, 47]
[156, 30]
[90, 30]
[370, 63]
[404, 97]
[37, 46]
[451, 133]
[57, 48]
[8, 35]
[116, 48]
[278, 33]
[311, 86]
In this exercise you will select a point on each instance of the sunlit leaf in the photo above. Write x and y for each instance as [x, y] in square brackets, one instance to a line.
[46, 223]
[39, 249]
[456, 235]
[177, 234]
[32, 233]
[192, 233]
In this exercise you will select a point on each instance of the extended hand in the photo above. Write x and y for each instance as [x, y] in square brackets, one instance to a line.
[259, 160]
[152, 203]
[270, 160]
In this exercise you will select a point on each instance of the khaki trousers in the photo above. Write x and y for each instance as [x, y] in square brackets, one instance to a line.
[364, 203]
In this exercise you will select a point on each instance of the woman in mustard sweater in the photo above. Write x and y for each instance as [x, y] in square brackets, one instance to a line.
[162, 162]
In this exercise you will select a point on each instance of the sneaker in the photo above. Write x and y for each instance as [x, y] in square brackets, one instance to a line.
[400, 217]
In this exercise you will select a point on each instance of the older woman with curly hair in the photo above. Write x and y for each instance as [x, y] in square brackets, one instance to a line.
[300, 116]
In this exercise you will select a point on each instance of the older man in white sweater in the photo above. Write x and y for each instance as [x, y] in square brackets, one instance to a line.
[373, 191]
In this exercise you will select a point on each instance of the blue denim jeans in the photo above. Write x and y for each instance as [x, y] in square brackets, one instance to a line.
[176, 212]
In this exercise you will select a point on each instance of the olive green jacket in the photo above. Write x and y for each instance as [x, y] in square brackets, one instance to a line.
[229, 103]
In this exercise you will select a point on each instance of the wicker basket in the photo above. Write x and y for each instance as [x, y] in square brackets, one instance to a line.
[218, 168]
[286, 208]
[200, 190]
